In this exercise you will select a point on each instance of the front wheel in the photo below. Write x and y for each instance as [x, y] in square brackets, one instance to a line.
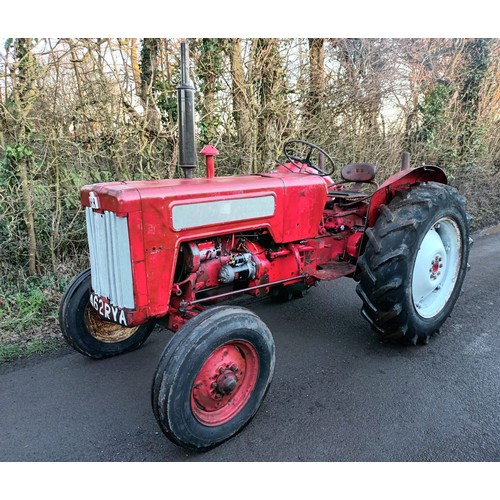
[87, 332]
[212, 377]
[415, 262]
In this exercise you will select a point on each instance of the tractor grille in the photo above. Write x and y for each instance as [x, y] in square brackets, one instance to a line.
[110, 257]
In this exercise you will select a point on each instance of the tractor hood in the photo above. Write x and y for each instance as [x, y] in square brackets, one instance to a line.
[289, 205]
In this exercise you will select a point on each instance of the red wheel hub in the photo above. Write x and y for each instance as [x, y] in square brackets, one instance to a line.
[436, 265]
[225, 383]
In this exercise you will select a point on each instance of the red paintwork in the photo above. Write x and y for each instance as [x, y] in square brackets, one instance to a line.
[225, 383]
[299, 203]
[309, 237]
[209, 152]
[402, 180]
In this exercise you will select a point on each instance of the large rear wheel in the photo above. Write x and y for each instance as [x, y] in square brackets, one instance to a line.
[212, 377]
[412, 270]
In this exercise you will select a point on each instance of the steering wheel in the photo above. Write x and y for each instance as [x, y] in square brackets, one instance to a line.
[293, 146]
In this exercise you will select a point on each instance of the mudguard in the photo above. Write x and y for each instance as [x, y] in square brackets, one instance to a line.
[400, 181]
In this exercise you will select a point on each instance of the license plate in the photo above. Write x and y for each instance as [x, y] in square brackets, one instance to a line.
[108, 311]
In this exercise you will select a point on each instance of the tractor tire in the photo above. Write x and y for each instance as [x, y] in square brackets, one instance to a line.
[414, 264]
[212, 377]
[87, 332]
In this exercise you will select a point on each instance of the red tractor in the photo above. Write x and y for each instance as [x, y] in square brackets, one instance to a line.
[175, 249]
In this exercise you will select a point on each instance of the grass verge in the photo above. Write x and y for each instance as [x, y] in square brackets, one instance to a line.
[28, 316]
[13, 352]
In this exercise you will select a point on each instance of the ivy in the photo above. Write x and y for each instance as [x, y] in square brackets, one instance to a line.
[433, 111]
[17, 152]
[165, 93]
[477, 57]
[210, 65]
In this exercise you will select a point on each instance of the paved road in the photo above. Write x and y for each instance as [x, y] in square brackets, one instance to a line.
[338, 394]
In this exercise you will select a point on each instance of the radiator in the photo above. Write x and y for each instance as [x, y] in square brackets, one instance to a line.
[109, 247]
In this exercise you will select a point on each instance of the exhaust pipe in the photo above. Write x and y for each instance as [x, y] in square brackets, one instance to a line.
[185, 103]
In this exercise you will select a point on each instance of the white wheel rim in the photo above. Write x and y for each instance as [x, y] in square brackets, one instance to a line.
[436, 268]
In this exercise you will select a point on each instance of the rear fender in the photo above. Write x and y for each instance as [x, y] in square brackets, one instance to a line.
[401, 181]
[397, 182]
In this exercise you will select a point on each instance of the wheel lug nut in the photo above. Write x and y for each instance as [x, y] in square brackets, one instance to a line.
[234, 368]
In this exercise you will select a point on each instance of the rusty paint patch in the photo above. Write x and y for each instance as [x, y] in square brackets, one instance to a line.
[103, 330]
[333, 270]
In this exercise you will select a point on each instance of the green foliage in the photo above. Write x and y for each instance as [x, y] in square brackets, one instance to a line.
[166, 98]
[28, 303]
[11, 224]
[15, 152]
[434, 140]
[448, 130]
[22, 47]
[14, 351]
[210, 63]
[20, 308]
[149, 58]
[163, 84]
[433, 111]
[470, 138]
[476, 55]
[210, 67]
[28, 314]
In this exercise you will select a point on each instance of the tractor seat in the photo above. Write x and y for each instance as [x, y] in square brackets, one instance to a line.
[359, 172]
[355, 174]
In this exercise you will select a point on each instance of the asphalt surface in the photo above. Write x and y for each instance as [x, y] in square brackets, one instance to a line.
[339, 394]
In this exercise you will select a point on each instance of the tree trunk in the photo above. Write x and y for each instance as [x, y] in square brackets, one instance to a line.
[28, 214]
[149, 67]
[209, 68]
[242, 106]
[23, 97]
[272, 108]
[316, 75]
[136, 70]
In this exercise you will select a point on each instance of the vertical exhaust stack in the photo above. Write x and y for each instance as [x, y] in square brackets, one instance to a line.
[185, 102]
